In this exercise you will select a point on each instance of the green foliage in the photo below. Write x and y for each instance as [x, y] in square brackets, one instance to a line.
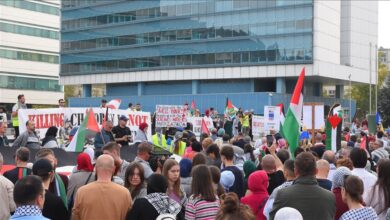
[384, 102]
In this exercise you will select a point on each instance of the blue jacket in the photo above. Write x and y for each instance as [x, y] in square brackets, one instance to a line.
[99, 143]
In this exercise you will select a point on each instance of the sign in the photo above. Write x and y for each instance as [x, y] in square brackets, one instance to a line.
[70, 117]
[171, 116]
[307, 116]
[197, 124]
[257, 125]
[272, 118]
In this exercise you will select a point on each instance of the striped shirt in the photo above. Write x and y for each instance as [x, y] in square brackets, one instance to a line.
[200, 209]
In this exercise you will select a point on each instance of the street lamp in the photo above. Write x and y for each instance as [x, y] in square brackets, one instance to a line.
[350, 99]
[270, 94]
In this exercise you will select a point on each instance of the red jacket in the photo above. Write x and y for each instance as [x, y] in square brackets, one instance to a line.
[257, 184]
[341, 207]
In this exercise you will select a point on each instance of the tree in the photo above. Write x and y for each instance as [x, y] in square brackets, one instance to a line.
[361, 92]
[384, 102]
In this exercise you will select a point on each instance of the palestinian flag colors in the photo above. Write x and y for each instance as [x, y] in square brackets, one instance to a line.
[230, 110]
[333, 128]
[193, 108]
[294, 114]
[89, 125]
[114, 104]
[205, 129]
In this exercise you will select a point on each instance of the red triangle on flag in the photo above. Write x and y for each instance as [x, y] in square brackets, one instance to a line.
[334, 120]
[92, 123]
[205, 129]
[229, 104]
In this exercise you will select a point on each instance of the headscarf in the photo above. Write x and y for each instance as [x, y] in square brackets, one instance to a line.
[249, 167]
[185, 167]
[338, 176]
[84, 162]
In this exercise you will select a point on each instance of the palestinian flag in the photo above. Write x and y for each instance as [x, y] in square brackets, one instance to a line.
[114, 104]
[333, 128]
[230, 110]
[205, 129]
[292, 122]
[282, 118]
[193, 108]
[89, 125]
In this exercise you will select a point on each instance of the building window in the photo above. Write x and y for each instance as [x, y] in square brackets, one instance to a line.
[21, 55]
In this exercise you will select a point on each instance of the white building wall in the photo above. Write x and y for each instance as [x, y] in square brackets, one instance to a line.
[32, 44]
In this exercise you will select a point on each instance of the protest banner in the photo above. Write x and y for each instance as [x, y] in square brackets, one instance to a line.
[197, 124]
[272, 118]
[257, 125]
[70, 117]
[171, 116]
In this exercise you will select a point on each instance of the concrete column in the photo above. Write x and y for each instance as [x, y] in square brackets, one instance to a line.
[317, 89]
[252, 85]
[195, 87]
[280, 85]
[87, 90]
[140, 88]
[339, 91]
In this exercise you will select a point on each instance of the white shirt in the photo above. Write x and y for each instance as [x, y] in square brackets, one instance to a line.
[367, 178]
[3, 117]
[331, 171]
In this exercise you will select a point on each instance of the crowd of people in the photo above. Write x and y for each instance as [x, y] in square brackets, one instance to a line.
[222, 175]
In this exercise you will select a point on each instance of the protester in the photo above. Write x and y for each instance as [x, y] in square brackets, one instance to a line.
[213, 156]
[156, 202]
[53, 207]
[192, 150]
[171, 171]
[227, 180]
[239, 140]
[3, 115]
[22, 155]
[185, 175]
[103, 103]
[352, 193]
[141, 135]
[82, 176]
[330, 157]
[21, 104]
[249, 168]
[216, 177]
[102, 199]
[274, 168]
[159, 139]
[245, 123]
[121, 132]
[203, 203]
[59, 184]
[322, 174]
[143, 154]
[283, 155]
[257, 184]
[305, 190]
[104, 136]
[344, 162]
[227, 156]
[199, 159]
[114, 150]
[61, 103]
[359, 160]
[178, 147]
[50, 139]
[4, 142]
[378, 196]
[135, 180]
[29, 197]
[28, 138]
[337, 184]
[379, 151]
[231, 209]
[7, 204]
[289, 175]
[319, 146]
[288, 213]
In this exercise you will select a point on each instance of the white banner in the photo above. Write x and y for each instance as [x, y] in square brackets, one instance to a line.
[70, 117]
[171, 116]
[307, 117]
[197, 124]
[272, 118]
[257, 125]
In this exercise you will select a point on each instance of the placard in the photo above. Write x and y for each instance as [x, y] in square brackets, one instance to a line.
[257, 125]
[197, 124]
[272, 118]
[171, 116]
[71, 117]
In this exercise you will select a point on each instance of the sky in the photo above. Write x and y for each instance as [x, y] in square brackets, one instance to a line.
[384, 24]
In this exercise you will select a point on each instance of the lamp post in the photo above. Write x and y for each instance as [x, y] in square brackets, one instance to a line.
[270, 94]
[350, 98]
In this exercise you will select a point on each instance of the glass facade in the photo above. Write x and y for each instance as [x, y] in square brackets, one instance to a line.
[166, 34]
[31, 31]
[21, 55]
[27, 83]
[31, 6]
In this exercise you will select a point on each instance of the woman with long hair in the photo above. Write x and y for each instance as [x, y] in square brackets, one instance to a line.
[352, 194]
[216, 177]
[50, 139]
[135, 180]
[203, 204]
[378, 197]
[171, 170]
[338, 182]
[231, 209]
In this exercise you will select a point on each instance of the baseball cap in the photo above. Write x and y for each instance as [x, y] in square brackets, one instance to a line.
[124, 118]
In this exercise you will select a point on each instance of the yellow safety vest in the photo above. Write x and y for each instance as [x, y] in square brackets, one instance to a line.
[156, 142]
[182, 148]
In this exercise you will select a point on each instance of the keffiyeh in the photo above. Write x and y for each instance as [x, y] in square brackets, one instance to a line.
[28, 210]
[163, 204]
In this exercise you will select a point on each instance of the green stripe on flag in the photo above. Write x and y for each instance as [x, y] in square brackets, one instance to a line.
[328, 131]
[291, 131]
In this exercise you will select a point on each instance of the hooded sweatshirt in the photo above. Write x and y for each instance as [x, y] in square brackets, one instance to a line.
[257, 184]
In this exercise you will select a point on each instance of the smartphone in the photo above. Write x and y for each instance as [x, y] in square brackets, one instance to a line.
[270, 140]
